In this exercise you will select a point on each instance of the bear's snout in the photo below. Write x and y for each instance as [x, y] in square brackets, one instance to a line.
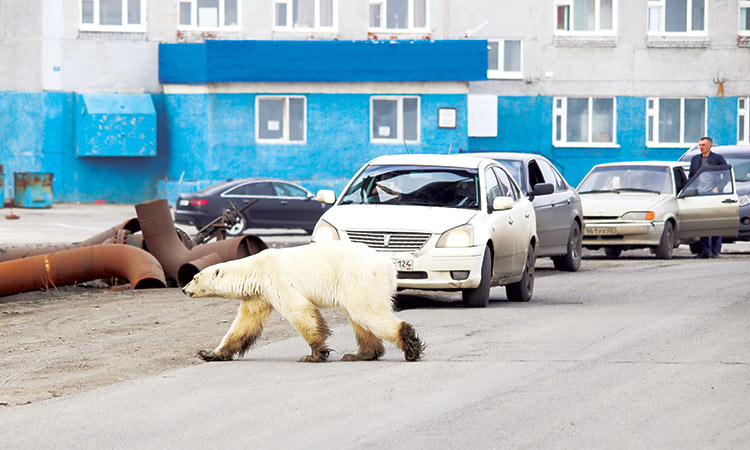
[186, 292]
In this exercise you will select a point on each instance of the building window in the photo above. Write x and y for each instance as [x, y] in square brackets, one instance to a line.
[504, 59]
[394, 119]
[677, 16]
[280, 119]
[745, 17]
[209, 14]
[584, 121]
[398, 15]
[586, 16]
[675, 121]
[305, 15]
[113, 15]
[743, 121]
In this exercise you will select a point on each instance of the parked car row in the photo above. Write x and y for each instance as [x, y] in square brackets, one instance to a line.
[468, 222]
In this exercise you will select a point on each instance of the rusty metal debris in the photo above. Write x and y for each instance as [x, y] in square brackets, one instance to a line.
[148, 251]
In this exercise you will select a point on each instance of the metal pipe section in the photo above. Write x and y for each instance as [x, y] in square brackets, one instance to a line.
[130, 225]
[163, 241]
[47, 271]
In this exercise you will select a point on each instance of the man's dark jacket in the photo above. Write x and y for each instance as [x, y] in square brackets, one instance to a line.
[714, 159]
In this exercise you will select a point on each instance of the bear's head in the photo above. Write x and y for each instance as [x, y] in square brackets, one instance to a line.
[228, 280]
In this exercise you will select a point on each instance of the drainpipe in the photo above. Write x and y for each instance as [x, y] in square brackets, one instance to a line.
[139, 267]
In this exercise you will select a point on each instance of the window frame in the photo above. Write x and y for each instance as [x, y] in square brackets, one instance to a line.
[743, 4]
[597, 31]
[652, 112]
[502, 74]
[561, 110]
[284, 140]
[399, 139]
[661, 5]
[383, 26]
[743, 117]
[316, 29]
[222, 17]
[124, 28]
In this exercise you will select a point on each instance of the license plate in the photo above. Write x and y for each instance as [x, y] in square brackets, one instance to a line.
[598, 231]
[406, 265]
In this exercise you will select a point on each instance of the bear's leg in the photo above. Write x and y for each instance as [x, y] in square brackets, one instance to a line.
[245, 329]
[370, 346]
[409, 342]
[376, 316]
[305, 318]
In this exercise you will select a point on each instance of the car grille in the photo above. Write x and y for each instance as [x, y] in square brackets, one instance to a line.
[392, 242]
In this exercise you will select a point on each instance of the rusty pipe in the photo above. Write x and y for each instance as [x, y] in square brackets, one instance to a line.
[162, 241]
[11, 253]
[204, 255]
[139, 267]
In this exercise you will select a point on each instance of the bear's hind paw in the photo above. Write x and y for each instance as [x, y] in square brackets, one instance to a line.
[208, 355]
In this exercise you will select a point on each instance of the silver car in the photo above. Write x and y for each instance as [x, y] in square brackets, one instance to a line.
[651, 204]
[559, 215]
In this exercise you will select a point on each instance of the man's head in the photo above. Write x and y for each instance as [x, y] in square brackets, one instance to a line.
[705, 145]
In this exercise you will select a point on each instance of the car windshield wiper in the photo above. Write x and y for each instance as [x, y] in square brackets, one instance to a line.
[600, 191]
[640, 190]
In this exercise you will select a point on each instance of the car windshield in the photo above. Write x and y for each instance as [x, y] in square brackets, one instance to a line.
[514, 167]
[415, 185]
[627, 179]
[741, 166]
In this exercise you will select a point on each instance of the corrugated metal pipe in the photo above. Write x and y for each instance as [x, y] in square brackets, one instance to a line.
[47, 271]
[163, 241]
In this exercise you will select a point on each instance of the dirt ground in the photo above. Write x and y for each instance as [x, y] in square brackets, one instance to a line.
[73, 339]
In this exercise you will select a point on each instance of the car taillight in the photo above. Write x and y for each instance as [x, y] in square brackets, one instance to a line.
[198, 202]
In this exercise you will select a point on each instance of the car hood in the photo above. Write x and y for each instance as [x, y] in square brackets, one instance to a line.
[422, 219]
[618, 204]
[743, 187]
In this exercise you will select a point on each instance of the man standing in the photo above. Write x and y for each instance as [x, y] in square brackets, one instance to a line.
[710, 246]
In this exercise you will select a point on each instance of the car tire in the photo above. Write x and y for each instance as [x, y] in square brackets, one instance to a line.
[479, 296]
[238, 229]
[666, 243]
[522, 290]
[571, 261]
[613, 252]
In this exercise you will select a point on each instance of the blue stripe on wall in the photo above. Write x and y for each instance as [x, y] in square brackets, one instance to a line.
[322, 61]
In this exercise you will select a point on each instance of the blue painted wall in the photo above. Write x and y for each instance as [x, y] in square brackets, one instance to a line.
[525, 125]
[322, 61]
[206, 138]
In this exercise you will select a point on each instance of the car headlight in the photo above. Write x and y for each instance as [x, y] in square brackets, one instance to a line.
[458, 237]
[744, 200]
[639, 215]
[325, 232]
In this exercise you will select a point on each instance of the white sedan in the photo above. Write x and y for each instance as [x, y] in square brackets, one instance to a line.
[651, 204]
[447, 222]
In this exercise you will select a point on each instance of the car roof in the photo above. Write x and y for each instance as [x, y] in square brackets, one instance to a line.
[642, 163]
[222, 185]
[424, 159]
[720, 149]
[510, 156]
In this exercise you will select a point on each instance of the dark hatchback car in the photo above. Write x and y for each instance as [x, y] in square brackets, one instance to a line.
[559, 215]
[738, 156]
[280, 204]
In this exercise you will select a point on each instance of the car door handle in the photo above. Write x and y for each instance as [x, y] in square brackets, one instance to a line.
[729, 200]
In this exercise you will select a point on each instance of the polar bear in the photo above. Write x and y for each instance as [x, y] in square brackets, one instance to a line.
[296, 281]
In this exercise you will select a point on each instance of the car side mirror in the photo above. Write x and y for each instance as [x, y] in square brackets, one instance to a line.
[326, 196]
[502, 203]
[543, 189]
[689, 192]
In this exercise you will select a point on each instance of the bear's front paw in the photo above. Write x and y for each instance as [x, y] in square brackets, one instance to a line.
[311, 358]
[208, 355]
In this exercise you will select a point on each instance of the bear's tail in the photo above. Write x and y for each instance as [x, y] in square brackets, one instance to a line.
[409, 342]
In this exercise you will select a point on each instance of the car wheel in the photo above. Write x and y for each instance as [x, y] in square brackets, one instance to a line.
[613, 252]
[524, 288]
[238, 228]
[571, 261]
[479, 296]
[666, 244]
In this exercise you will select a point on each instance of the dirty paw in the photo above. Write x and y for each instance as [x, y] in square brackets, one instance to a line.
[208, 355]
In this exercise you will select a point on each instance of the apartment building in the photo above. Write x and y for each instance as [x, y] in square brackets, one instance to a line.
[131, 100]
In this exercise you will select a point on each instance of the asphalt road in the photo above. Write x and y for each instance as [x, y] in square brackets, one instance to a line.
[627, 353]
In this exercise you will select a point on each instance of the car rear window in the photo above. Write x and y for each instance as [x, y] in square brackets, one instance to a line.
[416, 186]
